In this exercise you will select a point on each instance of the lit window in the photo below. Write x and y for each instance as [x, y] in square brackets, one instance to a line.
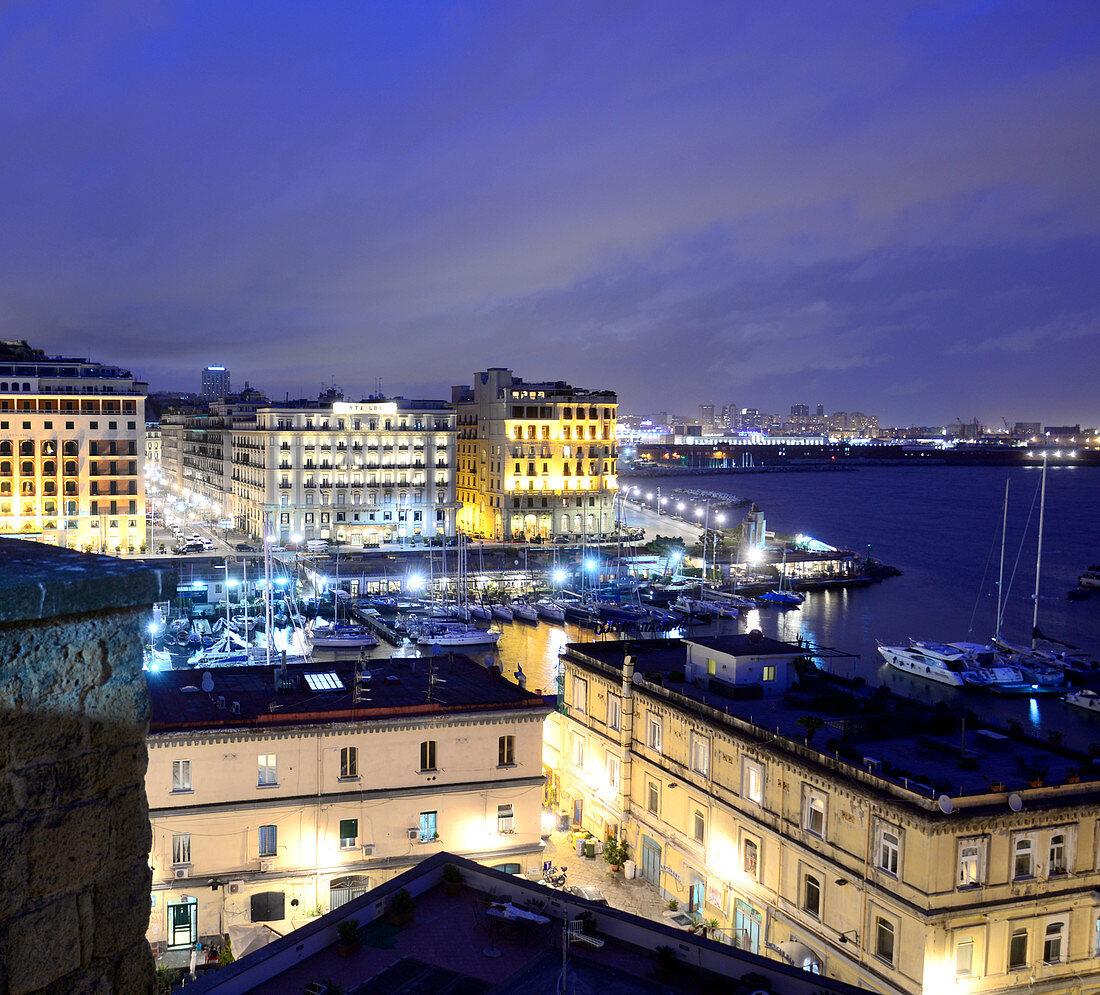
[349, 762]
[699, 827]
[506, 751]
[578, 750]
[181, 775]
[888, 851]
[349, 833]
[884, 939]
[268, 840]
[1017, 950]
[769, 673]
[580, 694]
[427, 755]
[751, 860]
[653, 801]
[505, 819]
[614, 712]
[1057, 862]
[1022, 858]
[428, 826]
[970, 863]
[1052, 943]
[181, 848]
[613, 772]
[811, 895]
[700, 754]
[267, 769]
[814, 816]
[653, 733]
[964, 958]
[753, 781]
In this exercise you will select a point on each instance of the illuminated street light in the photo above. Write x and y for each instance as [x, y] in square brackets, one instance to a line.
[590, 564]
[416, 582]
[559, 576]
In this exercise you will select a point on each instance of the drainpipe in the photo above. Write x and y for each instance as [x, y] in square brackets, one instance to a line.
[626, 736]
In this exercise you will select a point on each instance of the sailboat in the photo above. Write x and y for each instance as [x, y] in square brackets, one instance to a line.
[442, 634]
[779, 597]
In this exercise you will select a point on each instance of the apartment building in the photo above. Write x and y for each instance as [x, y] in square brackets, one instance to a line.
[535, 459]
[359, 472]
[278, 794]
[859, 834]
[72, 449]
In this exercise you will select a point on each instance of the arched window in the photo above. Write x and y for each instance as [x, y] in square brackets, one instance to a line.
[49, 487]
[5, 508]
[1022, 858]
[26, 448]
[70, 467]
[5, 447]
[5, 468]
[1057, 862]
[1052, 943]
[49, 467]
[27, 488]
[427, 755]
[70, 486]
[349, 762]
[70, 448]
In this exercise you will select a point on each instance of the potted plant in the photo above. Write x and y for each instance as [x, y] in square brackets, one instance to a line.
[673, 905]
[401, 908]
[614, 852]
[453, 879]
[348, 932]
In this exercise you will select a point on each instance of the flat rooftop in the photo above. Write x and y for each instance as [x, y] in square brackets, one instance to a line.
[926, 751]
[325, 692]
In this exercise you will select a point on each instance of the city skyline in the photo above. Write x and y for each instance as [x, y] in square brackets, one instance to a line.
[895, 204]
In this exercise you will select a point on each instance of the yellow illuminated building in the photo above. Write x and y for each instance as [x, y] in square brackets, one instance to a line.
[534, 459]
[72, 451]
[976, 872]
[271, 797]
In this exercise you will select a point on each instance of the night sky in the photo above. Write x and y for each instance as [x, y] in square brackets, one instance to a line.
[878, 206]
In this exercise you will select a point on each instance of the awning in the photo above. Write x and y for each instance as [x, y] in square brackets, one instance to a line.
[800, 955]
[246, 938]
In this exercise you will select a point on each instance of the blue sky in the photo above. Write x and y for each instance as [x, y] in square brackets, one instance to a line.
[887, 207]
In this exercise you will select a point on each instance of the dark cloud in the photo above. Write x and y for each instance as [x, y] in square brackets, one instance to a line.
[885, 207]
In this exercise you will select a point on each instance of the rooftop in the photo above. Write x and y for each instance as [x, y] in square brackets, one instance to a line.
[325, 692]
[872, 735]
[451, 945]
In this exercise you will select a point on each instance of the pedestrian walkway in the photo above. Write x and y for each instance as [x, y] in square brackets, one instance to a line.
[637, 897]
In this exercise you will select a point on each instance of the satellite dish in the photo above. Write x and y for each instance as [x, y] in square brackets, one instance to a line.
[437, 650]
[947, 806]
[1015, 802]
[638, 678]
[207, 682]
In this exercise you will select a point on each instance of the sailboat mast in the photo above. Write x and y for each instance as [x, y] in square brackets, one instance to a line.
[269, 615]
[1001, 574]
[1039, 554]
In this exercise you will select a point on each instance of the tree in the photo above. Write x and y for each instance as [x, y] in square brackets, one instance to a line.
[811, 723]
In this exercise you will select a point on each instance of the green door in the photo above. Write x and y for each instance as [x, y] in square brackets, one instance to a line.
[183, 922]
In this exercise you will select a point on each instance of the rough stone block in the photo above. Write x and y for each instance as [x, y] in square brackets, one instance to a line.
[68, 850]
[51, 931]
[121, 905]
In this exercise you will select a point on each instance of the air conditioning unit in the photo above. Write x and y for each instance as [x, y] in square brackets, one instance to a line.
[234, 887]
[368, 849]
[414, 834]
[266, 866]
[181, 872]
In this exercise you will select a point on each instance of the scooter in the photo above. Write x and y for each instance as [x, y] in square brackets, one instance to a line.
[556, 877]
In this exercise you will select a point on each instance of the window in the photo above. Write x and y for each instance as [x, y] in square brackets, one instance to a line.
[813, 818]
[653, 733]
[578, 750]
[964, 958]
[349, 762]
[699, 827]
[769, 673]
[613, 771]
[751, 861]
[505, 819]
[889, 847]
[970, 863]
[653, 798]
[884, 939]
[580, 694]
[1052, 943]
[1022, 858]
[1096, 938]
[428, 827]
[506, 751]
[614, 712]
[753, 781]
[181, 848]
[427, 755]
[181, 775]
[267, 771]
[811, 895]
[268, 840]
[700, 755]
[349, 833]
[1057, 862]
[1017, 949]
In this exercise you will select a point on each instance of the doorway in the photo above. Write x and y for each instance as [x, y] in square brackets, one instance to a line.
[651, 860]
[183, 922]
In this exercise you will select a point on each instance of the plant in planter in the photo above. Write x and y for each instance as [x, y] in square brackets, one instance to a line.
[673, 905]
[615, 852]
[348, 932]
[453, 879]
[401, 908]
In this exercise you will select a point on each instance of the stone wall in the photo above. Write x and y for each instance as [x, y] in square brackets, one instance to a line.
[74, 826]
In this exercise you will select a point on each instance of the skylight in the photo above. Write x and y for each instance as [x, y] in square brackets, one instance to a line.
[324, 682]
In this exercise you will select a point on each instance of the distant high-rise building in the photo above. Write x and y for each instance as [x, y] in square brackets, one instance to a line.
[800, 411]
[706, 416]
[215, 382]
[820, 411]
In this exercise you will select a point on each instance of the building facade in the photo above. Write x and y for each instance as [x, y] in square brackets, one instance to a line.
[215, 383]
[882, 881]
[535, 459]
[273, 799]
[152, 443]
[72, 451]
[359, 472]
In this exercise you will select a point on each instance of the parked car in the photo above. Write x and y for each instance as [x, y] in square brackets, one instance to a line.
[192, 547]
[244, 547]
[207, 544]
[590, 894]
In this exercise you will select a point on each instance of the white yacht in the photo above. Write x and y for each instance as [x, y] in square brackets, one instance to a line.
[912, 660]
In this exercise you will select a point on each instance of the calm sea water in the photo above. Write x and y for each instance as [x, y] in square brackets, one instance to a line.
[941, 526]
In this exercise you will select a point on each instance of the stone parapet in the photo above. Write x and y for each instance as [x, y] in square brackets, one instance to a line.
[74, 825]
